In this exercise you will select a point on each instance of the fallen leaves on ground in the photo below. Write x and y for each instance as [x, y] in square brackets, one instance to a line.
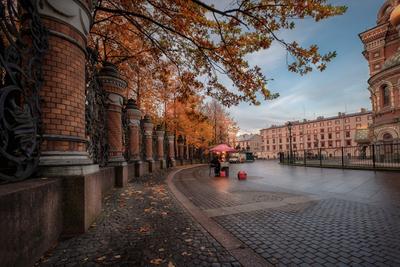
[186, 254]
[144, 229]
[148, 210]
[170, 264]
[156, 261]
[101, 258]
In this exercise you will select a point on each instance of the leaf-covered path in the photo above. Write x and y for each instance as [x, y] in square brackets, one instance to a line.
[141, 225]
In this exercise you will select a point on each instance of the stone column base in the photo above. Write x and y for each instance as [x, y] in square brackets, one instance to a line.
[121, 173]
[173, 163]
[152, 165]
[141, 168]
[82, 199]
[56, 164]
[162, 164]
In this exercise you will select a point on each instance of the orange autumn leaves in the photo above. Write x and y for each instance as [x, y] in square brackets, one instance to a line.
[173, 53]
[206, 40]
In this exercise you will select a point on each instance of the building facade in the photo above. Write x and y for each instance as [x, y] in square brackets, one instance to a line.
[250, 143]
[328, 134]
[381, 50]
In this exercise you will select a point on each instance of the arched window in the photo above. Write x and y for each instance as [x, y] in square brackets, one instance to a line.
[387, 137]
[385, 95]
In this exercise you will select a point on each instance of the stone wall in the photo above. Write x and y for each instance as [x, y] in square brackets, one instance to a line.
[31, 220]
[83, 199]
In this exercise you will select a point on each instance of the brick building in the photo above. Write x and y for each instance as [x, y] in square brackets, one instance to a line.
[381, 45]
[250, 143]
[329, 134]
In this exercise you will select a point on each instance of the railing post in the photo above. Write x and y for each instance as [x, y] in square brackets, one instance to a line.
[373, 156]
[134, 116]
[111, 81]
[171, 150]
[305, 158]
[342, 157]
[148, 138]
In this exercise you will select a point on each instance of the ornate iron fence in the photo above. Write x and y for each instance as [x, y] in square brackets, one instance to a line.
[154, 144]
[142, 142]
[23, 44]
[125, 133]
[95, 112]
[378, 156]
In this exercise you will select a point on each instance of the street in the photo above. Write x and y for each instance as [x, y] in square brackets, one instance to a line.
[296, 215]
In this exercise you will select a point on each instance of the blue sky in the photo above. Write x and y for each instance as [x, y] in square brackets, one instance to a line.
[342, 87]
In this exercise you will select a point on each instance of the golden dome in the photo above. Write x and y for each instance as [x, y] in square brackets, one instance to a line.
[395, 16]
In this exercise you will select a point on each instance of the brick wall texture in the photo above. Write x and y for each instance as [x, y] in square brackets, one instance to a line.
[63, 92]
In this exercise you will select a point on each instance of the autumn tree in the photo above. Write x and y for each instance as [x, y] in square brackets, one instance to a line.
[202, 40]
[173, 53]
[223, 126]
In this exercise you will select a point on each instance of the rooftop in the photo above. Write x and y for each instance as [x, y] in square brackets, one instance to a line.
[322, 118]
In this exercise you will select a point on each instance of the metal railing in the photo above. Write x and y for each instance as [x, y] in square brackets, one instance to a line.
[377, 156]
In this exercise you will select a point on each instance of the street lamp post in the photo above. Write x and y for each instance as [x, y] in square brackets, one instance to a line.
[289, 125]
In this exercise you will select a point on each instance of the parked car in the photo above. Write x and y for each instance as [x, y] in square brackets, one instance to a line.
[237, 157]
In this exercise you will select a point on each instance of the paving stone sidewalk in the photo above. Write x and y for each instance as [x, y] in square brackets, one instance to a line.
[141, 225]
[324, 231]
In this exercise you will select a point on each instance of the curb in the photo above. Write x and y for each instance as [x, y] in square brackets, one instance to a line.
[246, 256]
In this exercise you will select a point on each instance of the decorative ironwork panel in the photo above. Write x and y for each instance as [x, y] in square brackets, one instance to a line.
[142, 142]
[155, 144]
[95, 112]
[23, 43]
[125, 133]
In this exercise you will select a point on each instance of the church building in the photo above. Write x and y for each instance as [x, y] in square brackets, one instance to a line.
[382, 51]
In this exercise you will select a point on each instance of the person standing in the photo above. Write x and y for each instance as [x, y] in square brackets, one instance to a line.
[217, 166]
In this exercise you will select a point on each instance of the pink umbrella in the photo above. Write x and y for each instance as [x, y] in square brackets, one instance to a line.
[222, 148]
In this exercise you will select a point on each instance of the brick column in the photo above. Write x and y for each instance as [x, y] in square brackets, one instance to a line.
[148, 136]
[63, 91]
[160, 143]
[171, 148]
[134, 116]
[112, 83]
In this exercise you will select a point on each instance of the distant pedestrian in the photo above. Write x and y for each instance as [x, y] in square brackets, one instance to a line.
[217, 166]
[169, 162]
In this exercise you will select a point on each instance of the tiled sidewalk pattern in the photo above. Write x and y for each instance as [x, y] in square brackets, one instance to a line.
[330, 232]
[325, 232]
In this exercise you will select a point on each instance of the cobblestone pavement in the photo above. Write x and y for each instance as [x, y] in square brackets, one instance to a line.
[141, 225]
[212, 192]
[328, 230]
